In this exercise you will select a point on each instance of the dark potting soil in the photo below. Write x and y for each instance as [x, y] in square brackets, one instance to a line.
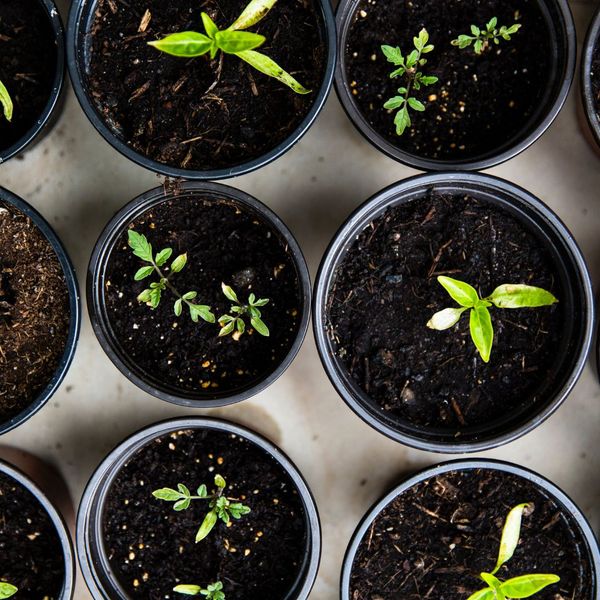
[480, 102]
[27, 65]
[34, 312]
[201, 114]
[434, 539]
[595, 76]
[31, 554]
[151, 547]
[224, 243]
[385, 291]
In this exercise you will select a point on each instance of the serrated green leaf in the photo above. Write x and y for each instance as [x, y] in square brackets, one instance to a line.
[163, 256]
[201, 311]
[140, 245]
[429, 79]
[510, 535]
[210, 520]
[233, 42]
[526, 586]
[393, 55]
[254, 12]
[402, 120]
[183, 489]
[187, 44]
[182, 504]
[209, 26]
[461, 292]
[179, 263]
[482, 331]
[143, 273]
[168, 494]
[475, 30]
[491, 25]
[521, 296]
[7, 107]
[259, 326]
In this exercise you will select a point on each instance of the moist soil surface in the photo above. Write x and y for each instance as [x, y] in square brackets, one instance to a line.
[595, 76]
[151, 547]
[480, 103]
[32, 555]
[385, 291]
[27, 65]
[224, 243]
[434, 539]
[34, 312]
[200, 114]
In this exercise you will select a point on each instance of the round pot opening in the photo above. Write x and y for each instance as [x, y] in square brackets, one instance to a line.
[55, 374]
[94, 533]
[432, 492]
[231, 154]
[448, 433]
[229, 237]
[460, 144]
[36, 100]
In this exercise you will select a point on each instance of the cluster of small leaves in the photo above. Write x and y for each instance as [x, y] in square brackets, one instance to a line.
[213, 592]
[190, 44]
[504, 296]
[482, 38]
[220, 507]
[523, 586]
[235, 323]
[7, 590]
[409, 68]
[7, 107]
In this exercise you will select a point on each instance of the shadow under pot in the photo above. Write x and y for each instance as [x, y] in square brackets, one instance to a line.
[440, 529]
[482, 372]
[140, 535]
[37, 558]
[32, 70]
[211, 115]
[590, 82]
[465, 98]
[215, 310]
[39, 311]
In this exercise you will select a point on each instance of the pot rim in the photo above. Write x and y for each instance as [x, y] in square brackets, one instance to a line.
[57, 86]
[74, 309]
[75, 58]
[57, 520]
[98, 487]
[461, 464]
[95, 297]
[592, 41]
[344, 13]
[360, 217]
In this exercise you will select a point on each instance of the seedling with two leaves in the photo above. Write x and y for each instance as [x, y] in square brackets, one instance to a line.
[482, 38]
[152, 296]
[235, 323]
[480, 321]
[220, 506]
[409, 68]
[7, 107]
[523, 586]
[7, 590]
[213, 592]
[232, 40]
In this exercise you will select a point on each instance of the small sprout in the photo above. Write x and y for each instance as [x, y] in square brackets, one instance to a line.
[505, 296]
[235, 322]
[153, 294]
[523, 586]
[213, 592]
[482, 38]
[408, 67]
[190, 44]
[220, 506]
[7, 590]
[7, 106]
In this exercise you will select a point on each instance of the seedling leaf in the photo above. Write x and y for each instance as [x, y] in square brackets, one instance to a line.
[269, 67]
[510, 535]
[187, 44]
[253, 13]
[459, 291]
[482, 331]
[7, 106]
[526, 586]
[210, 520]
[521, 296]
[444, 319]
[232, 42]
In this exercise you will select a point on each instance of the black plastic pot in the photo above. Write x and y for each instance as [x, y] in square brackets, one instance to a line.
[95, 567]
[80, 18]
[576, 282]
[52, 109]
[592, 43]
[593, 554]
[74, 307]
[98, 313]
[57, 520]
[564, 42]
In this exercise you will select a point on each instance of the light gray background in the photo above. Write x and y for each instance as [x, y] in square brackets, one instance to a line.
[77, 181]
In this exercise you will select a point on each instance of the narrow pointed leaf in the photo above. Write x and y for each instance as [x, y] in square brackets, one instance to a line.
[163, 256]
[210, 520]
[521, 296]
[7, 104]
[209, 26]
[178, 307]
[253, 13]
[260, 326]
[229, 293]
[510, 535]
[227, 329]
[178, 264]
[186, 44]
[491, 580]
[459, 291]
[233, 42]
[526, 586]
[188, 590]
[485, 594]
[143, 273]
[482, 332]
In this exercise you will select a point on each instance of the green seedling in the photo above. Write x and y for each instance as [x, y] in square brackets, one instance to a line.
[505, 296]
[409, 68]
[235, 323]
[7, 590]
[7, 106]
[220, 506]
[523, 586]
[213, 592]
[481, 39]
[152, 295]
[232, 40]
